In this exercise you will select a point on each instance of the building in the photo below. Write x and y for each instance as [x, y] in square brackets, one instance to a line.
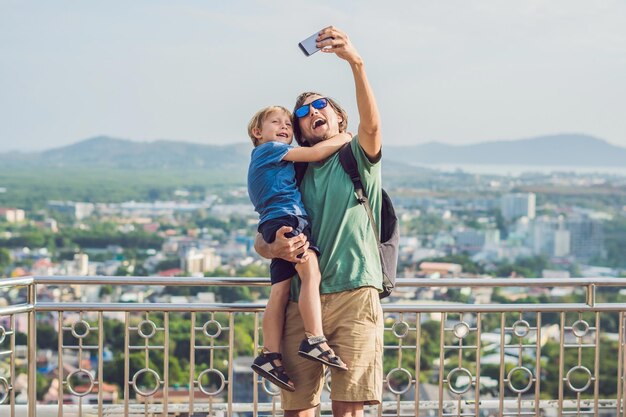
[469, 240]
[51, 224]
[562, 239]
[492, 238]
[12, 215]
[586, 237]
[199, 261]
[78, 211]
[517, 205]
[551, 273]
[542, 235]
[444, 269]
[81, 264]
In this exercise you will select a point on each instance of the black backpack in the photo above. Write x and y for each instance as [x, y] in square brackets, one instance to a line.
[388, 241]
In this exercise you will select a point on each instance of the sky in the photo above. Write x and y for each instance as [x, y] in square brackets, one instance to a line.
[455, 71]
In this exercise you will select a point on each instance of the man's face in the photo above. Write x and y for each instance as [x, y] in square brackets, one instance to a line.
[319, 124]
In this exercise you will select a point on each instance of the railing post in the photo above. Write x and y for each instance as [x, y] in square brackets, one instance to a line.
[32, 351]
[591, 295]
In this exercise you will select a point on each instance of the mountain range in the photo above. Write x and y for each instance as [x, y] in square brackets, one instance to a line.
[107, 152]
[554, 150]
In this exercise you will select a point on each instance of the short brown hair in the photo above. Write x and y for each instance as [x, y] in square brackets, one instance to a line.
[343, 125]
[259, 117]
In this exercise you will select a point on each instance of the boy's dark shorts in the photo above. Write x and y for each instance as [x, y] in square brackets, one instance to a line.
[280, 269]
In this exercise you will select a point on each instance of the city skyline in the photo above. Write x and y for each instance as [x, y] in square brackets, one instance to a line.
[458, 73]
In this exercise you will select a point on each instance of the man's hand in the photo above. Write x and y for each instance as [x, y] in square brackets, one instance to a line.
[339, 44]
[287, 248]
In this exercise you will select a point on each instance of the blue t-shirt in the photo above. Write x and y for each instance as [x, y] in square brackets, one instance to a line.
[272, 182]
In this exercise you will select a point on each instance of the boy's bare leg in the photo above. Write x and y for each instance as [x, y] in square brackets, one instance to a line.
[309, 412]
[309, 302]
[274, 316]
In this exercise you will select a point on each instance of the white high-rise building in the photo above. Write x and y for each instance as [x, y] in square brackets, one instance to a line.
[518, 205]
[81, 264]
[542, 236]
[561, 243]
[562, 238]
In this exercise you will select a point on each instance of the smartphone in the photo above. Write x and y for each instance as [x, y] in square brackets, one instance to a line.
[308, 45]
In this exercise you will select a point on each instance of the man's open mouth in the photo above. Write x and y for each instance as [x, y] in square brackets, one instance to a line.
[318, 123]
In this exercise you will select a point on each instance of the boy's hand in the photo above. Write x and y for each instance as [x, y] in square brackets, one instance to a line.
[288, 248]
[343, 137]
[339, 45]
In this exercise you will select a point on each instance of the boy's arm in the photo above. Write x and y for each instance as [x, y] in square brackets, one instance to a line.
[369, 118]
[319, 151]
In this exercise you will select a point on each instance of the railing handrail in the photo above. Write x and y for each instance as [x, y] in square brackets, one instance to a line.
[396, 307]
[16, 282]
[258, 281]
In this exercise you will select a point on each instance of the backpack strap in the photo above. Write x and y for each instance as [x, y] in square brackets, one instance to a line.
[300, 168]
[349, 164]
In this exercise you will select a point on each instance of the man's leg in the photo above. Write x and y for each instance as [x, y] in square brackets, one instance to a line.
[347, 409]
[353, 322]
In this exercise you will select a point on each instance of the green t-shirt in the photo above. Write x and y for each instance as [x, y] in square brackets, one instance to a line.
[340, 225]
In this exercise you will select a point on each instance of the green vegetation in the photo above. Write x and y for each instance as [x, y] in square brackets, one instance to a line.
[424, 225]
[70, 238]
[615, 242]
[5, 258]
[524, 267]
[31, 189]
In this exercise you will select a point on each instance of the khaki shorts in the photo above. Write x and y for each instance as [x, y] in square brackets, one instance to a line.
[353, 325]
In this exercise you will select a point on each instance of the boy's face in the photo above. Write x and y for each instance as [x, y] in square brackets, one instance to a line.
[276, 127]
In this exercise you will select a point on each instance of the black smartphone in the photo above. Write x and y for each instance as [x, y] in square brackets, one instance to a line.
[307, 46]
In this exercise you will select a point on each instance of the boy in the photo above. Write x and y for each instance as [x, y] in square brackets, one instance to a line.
[275, 195]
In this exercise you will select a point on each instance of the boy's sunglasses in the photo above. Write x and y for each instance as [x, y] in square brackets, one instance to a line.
[318, 104]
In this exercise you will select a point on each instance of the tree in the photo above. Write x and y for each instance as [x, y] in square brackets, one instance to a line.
[47, 336]
[5, 257]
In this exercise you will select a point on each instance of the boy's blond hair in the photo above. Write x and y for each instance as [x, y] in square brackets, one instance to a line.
[257, 120]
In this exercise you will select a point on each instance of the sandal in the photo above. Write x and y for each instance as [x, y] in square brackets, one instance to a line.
[310, 349]
[265, 366]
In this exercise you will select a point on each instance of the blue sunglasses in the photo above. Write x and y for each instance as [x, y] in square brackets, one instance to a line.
[318, 104]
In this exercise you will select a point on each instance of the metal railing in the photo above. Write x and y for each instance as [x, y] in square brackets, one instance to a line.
[444, 359]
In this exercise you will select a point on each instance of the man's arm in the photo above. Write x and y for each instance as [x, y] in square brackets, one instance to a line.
[369, 123]
[319, 151]
[287, 248]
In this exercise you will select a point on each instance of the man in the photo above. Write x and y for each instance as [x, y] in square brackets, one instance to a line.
[349, 263]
